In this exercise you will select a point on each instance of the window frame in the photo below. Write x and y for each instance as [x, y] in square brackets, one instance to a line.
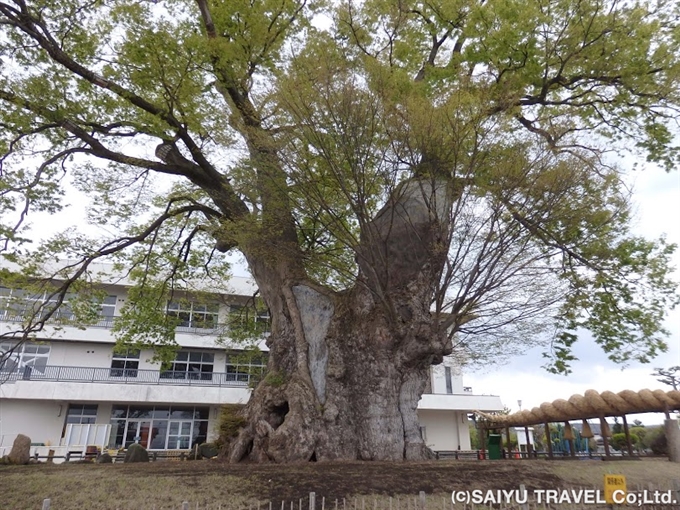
[20, 359]
[181, 366]
[130, 362]
[190, 314]
[448, 374]
[243, 371]
[18, 304]
[82, 415]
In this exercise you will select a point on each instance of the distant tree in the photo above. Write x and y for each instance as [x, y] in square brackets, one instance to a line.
[638, 423]
[539, 437]
[659, 445]
[670, 376]
[651, 439]
[475, 443]
[617, 428]
[619, 443]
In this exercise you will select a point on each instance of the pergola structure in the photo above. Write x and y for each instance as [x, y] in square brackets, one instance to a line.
[591, 405]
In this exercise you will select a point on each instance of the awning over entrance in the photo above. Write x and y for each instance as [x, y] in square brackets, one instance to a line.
[590, 405]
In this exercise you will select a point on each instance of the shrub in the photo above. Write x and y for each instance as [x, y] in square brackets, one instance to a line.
[618, 441]
[230, 423]
[659, 444]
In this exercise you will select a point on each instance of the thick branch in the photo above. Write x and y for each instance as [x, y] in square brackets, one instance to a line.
[212, 182]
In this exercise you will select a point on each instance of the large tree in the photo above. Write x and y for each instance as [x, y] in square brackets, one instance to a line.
[404, 179]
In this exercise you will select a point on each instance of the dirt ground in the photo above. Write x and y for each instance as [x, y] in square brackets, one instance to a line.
[142, 486]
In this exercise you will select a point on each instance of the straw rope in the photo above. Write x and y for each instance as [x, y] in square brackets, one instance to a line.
[590, 405]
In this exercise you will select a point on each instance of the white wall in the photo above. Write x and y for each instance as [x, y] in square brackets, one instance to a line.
[445, 430]
[41, 420]
[461, 402]
[79, 354]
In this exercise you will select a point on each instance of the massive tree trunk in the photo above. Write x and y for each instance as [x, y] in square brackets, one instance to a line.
[346, 370]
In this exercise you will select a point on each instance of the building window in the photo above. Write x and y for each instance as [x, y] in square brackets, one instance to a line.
[125, 364]
[191, 365]
[17, 304]
[108, 308]
[243, 366]
[27, 357]
[158, 427]
[194, 315]
[447, 376]
[249, 319]
[81, 414]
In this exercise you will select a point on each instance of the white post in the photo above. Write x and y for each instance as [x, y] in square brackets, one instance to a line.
[523, 490]
[69, 431]
[46, 504]
[312, 500]
[87, 435]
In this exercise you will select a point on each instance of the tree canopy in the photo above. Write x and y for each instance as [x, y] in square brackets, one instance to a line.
[670, 376]
[284, 130]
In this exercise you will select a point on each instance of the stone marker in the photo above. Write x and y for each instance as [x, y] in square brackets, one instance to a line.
[208, 450]
[21, 450]
[136, 453]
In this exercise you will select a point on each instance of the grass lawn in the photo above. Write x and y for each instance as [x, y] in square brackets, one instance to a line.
[210, 485]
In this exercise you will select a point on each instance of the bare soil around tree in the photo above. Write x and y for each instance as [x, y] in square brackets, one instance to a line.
[213, 485]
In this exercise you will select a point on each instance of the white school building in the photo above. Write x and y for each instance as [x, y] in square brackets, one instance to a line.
[69, 390]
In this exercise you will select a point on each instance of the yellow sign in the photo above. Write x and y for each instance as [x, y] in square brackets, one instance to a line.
[615, 489]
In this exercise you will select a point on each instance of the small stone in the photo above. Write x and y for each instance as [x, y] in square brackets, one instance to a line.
[104, 458]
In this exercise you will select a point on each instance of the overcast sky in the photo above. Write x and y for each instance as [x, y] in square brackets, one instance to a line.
[657, 200]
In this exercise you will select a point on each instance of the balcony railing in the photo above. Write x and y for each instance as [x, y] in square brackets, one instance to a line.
[234, 378]
[197, 327]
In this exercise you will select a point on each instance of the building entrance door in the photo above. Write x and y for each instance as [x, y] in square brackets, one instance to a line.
[137, 432]
[179, 435]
